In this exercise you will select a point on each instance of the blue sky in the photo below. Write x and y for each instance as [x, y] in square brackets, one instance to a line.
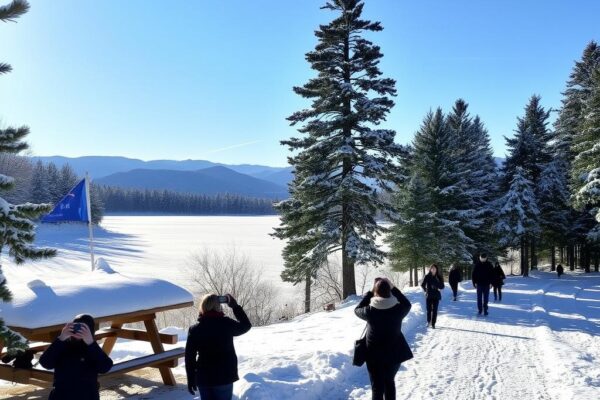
[213, 79]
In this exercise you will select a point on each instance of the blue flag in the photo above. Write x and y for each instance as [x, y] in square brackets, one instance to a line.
[72, 207]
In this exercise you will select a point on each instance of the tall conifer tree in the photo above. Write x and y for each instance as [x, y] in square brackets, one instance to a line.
[342, 156]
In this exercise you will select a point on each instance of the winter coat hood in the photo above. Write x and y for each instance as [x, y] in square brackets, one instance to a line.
[383, 303]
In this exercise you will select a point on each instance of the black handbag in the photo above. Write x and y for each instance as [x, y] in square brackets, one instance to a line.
[360, 350]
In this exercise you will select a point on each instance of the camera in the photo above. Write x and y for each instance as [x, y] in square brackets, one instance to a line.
[76, 328]
[223, 299]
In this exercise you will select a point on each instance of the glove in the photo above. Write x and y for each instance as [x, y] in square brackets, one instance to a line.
[232, 302]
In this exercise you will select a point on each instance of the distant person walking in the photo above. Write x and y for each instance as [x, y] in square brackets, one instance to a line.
[560, 270]
[498, 282]
[76, 360]
[210, 359]
[454, 278]
[432, 283]
[483, 275]
[384, 308]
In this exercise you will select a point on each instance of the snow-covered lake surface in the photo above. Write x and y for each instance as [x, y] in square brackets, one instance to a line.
[159, 246]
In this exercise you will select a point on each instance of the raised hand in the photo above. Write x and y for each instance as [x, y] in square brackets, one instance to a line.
[84, 334]
[67, 332]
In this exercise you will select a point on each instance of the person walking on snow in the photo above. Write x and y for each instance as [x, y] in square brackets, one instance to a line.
[432, 283]
[454, 278]
[560, 270]
[498, 281]
[384, 308]
[483, 275]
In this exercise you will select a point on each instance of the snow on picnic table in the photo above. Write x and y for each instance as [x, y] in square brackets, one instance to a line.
[540, 342]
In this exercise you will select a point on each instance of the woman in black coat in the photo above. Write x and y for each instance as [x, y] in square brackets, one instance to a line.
[77, 360]
[498, 281]
[454, 278]
[432, 283]
[384, 308]
[210, 359]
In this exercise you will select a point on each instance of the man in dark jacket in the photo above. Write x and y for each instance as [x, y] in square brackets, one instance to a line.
[210, 359]
[77, 360]
[560, 270]
[483, 276]
[454, 278]
[384, 308]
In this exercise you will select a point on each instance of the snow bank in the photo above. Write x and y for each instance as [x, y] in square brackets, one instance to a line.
[55, 300]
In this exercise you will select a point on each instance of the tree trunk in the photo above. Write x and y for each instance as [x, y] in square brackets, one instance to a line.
[533, 254]
[553, 258]
[526, 258]
[586, 258]
[416, 280]
[348, 281]
[571, 257]
[307, 293]
[597, 262]
[562, 254]
[410, 277]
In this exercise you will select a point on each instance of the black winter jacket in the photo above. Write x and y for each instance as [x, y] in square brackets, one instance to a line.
[483, 273]
[454, 277]
[499, 276]
[385, 342]
[431, 285]
[76, 368]
[210, 358]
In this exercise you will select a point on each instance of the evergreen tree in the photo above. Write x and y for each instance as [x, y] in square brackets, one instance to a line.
[586, 163]
[518, 215]
[342, 155]
[55, 188]
[67, 180]
[16, 229]
[39, 184]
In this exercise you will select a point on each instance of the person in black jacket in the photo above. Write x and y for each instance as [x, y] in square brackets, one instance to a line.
[210, 359]
[483, 276]
[560, 270]
[77, 360]
[454, 278]
[432, 283]
[498, 281]
[384, 308]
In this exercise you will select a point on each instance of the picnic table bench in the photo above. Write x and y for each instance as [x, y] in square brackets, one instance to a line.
[41, 337]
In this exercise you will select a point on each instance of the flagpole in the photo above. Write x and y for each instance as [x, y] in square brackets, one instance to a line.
[89, 215]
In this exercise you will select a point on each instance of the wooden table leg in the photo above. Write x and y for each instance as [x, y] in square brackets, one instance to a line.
[157, 346]
[110, 341]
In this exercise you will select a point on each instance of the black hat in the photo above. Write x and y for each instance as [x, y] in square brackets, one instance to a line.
[88, 320]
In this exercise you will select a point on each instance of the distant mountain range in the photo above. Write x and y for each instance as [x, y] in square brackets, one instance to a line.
[190, 176]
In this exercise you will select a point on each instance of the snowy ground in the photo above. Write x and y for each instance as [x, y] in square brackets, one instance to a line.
[541, 342]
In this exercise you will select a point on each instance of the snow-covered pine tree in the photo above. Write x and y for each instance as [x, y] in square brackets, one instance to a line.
[343, 155]
[585, 171]
[431, 161]
[553, 201]
[68, 179]
[530, 151]
[518, 215]
[473, 162]
[16, 228]
[55, 188]
[39, 184]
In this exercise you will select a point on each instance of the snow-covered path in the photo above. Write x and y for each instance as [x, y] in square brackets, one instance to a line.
[535, 344]
[541, 342]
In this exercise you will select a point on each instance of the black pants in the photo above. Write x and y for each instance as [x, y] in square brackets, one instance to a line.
[454, 287]
[483, 296]
[432, 309]
[498, 292]
[382, 380]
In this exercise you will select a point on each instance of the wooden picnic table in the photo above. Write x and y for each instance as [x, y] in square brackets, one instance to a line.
[40, 339]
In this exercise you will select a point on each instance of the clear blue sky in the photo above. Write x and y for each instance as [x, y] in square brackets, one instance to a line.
[213, 79]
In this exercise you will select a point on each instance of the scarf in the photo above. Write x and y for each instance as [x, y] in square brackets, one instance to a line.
[383, 303]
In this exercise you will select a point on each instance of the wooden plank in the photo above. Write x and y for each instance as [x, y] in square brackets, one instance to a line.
[134, 316]
[153, 360]
[110, 341]
[25, 376]
[135, 334]
[157, 347]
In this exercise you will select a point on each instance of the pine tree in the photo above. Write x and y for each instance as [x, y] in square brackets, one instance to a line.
[68, 179]
[55, 188]
[473, 162]
[342, 155]
[586, 163]
[518, 215]
[39, 184]
[16, 229]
